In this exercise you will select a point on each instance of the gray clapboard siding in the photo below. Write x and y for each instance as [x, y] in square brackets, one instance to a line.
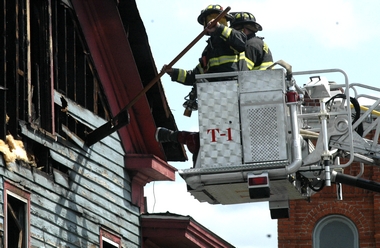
[68, 210]
[98, 171]
[13, 167]
[40, 244]
[72, 152]
[106, 152]
[108, 179]
[42, 238]
[99, 197]
[45, 230]
[58, 229]
[47, 193]
[49, 208]
[61, 178]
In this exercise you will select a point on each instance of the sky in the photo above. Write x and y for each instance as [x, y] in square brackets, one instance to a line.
[309, 35]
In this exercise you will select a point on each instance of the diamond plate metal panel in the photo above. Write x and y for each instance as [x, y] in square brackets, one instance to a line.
[264, 132]
[263, 116]
[259, 81]
[219, 127]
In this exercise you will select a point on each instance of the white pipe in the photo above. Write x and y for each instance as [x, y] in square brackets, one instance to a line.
[326, 152]
[296, 146]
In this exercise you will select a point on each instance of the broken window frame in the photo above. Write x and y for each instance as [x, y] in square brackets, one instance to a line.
[44, 50]
[19, 196]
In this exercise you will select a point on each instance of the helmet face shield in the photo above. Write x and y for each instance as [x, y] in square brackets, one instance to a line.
[239, 27]
[252, 27]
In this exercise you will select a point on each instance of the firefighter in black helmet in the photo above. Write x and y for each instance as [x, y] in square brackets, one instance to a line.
[221, 53]
[257, 51]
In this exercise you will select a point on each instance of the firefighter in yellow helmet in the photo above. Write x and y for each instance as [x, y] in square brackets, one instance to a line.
[257, 51]
[221, 53]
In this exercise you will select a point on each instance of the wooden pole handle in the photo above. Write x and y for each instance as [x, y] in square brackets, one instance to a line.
[122, 118]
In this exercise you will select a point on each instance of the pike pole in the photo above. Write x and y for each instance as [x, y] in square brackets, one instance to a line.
[122, 118]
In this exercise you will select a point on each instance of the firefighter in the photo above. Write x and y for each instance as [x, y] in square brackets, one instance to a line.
[222, 54]
[257, 51]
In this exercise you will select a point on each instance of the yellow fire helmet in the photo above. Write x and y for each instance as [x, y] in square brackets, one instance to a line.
[210, 12]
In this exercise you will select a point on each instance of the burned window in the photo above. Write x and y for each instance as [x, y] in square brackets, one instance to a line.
[17, 207]
[75, 76]
[44, 51]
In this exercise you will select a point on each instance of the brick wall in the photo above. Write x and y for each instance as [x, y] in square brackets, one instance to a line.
[359, 205]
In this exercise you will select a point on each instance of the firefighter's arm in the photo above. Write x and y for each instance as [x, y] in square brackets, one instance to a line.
[185, 77]
[236, 39]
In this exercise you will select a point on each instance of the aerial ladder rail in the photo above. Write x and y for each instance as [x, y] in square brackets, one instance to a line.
[317, 90]
[350, 141]
[369, 120]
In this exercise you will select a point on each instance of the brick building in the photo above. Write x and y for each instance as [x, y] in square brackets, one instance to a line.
[354, 219]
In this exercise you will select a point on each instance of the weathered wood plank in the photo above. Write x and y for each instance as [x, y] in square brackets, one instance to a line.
[88, 119]
[111, 215]
[70, 151]
[107, 199]
[56, 225]
[96, 185]
[35, 243]
[89, 222]
[89, 202]
[96, 169]
[16, 168]
[62, 240]
[61, 178]
[113, 189]
[41, 239]
[58, 231]
[104, 151]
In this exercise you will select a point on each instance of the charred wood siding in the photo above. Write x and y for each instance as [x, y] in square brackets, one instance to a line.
[42, 50]
[53, 98]
[69, 209]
